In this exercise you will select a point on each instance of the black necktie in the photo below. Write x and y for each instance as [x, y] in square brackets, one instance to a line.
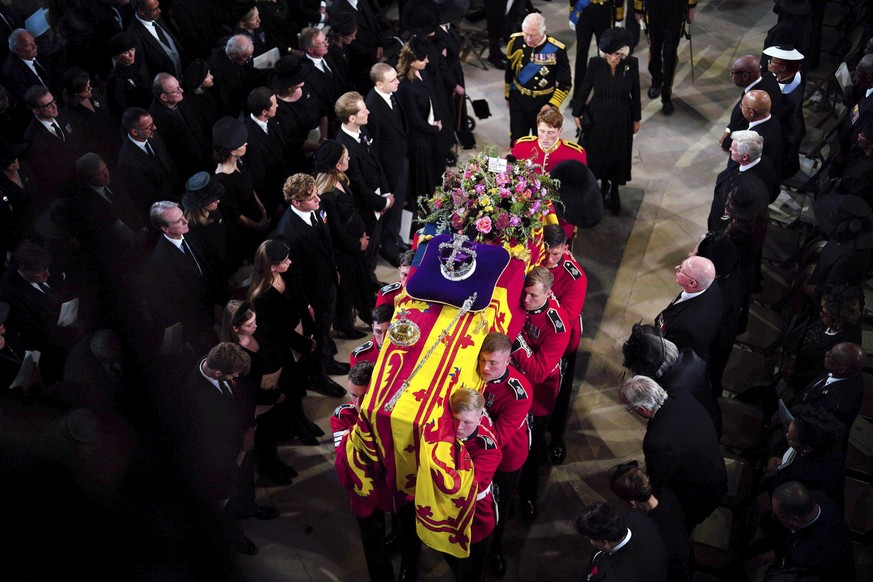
[108, 193]
[161, 36]
[393, 102]
[327, 70]
[226, 389]
[148, 149]
[313, 219]
[187, 250]
[59, 133]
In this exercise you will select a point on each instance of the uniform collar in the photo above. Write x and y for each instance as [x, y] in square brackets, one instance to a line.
[501, 378]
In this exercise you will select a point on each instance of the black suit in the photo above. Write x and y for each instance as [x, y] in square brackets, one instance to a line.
[180, 292]
[389, 130]
[53, 159]
[764, 173]
[18, 77]
[688, 375]
[769, 85]
[327, 88]
[695, 322]
[362, 51]
[180, 130]
[156, 58]
[232, 82]
[693, 468]
[365, 176]
[268, 159]
[314, 265]
[642, 559]
[149, 178]
[842, 398]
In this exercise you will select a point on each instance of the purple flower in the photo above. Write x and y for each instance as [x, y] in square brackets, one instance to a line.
[502, 221]
[457, 221]
[459, 197]
[520, 186]
[479, 188]
[505, 192]
[483, 225]
[514, 220]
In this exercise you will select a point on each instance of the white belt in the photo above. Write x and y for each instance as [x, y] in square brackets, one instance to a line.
[483, 494]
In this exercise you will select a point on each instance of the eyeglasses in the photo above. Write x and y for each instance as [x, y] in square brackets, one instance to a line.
[738, 73]
[679, 270]
[52, 103]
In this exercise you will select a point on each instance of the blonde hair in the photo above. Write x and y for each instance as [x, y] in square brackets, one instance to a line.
[327, 181]
[404, 63]
[465, 399]
[199, 216]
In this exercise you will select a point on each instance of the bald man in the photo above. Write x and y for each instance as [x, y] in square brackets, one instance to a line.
[746, 73]
[756, 107]
[841, 389]
[693, 318]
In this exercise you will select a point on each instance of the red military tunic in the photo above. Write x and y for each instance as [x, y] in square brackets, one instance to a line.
[569, 288]
[388, 294]
[528, 148]
[508, 401]
[366, 352]
[542, 343]
[485, 454]
[344, 419]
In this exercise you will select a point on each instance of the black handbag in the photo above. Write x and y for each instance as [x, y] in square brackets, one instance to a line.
[480, 108]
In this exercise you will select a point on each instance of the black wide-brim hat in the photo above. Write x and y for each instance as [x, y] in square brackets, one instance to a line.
[121, 43]
[748, 199]
[343, 23]
[452, 10]
[613, 39]
[420, 17]
[229, 133]
[201, 189]
[288, 72]
[581, 202]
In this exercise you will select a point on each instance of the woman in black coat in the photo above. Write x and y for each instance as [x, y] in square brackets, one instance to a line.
[612, 117]
[128, 84]
[348, 235]
[416, 97]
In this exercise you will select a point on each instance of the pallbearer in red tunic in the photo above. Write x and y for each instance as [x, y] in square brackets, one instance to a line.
[474, 431]
[569, 289]
[370, 511]
[547, 149]
[508, 397]
[537, 353]
[369, 351]
[388, 293]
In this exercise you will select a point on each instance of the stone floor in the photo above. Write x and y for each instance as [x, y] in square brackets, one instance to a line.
[629, 259]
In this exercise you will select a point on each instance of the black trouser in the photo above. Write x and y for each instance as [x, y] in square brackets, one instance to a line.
[504, 485]
[495, 17]
[379, 565]
[664, 32]
[529, 481]
[391, 235]
[471, 568]
[558, 420]
[595, 19]
[523, 112]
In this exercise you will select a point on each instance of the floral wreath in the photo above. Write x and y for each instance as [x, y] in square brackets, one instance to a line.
[490, 204]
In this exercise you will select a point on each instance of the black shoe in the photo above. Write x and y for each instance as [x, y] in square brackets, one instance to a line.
[392, 543]
[334, 368]
[557, 452]
[614, 200]
[668, 108]
[528, 510]
[654, 92]
[351, 334]
[328, 387]
[264, 512]
[311, 428]
[498, 62]
[407, 572]
[604, 188]
[247, 547]
[278, 468]
[476, 15]
[403, 247]
[306, 437]
[497, 565]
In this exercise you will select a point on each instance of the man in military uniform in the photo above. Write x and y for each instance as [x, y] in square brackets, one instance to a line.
[591, 18]
[546, 148]
[369, 351]
[537, 354]
[508, 397]
[538, 75]
[664, 27]
[570, 288]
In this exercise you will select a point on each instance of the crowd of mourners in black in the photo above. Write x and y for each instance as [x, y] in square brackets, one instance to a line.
[138, 129]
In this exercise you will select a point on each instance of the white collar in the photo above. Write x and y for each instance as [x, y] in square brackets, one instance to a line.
[787, 88]
[759, 122]
[383, 95]
[750, 165]
[622, 543]
[305, 216]
[176, 242]
[752, 84]
[685, 295]
[354, 134]
[261, 124]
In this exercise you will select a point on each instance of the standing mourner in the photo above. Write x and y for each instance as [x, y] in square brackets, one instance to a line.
[538, 75]
[612, 117]
[664, 20]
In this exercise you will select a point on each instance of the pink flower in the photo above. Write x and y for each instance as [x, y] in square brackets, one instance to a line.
[479, 188]
[505, 192]
[514, 220]
[438, 203]
[520, 186]
[457, 221]
[502, 221]
[459, 197]
[483, 225]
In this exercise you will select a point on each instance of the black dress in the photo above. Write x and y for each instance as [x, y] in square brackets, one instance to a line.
[297, 119]
[346, 229]
[211, 240]
[417, 97]
[101, 131]
[613, 109]
[239, 200]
